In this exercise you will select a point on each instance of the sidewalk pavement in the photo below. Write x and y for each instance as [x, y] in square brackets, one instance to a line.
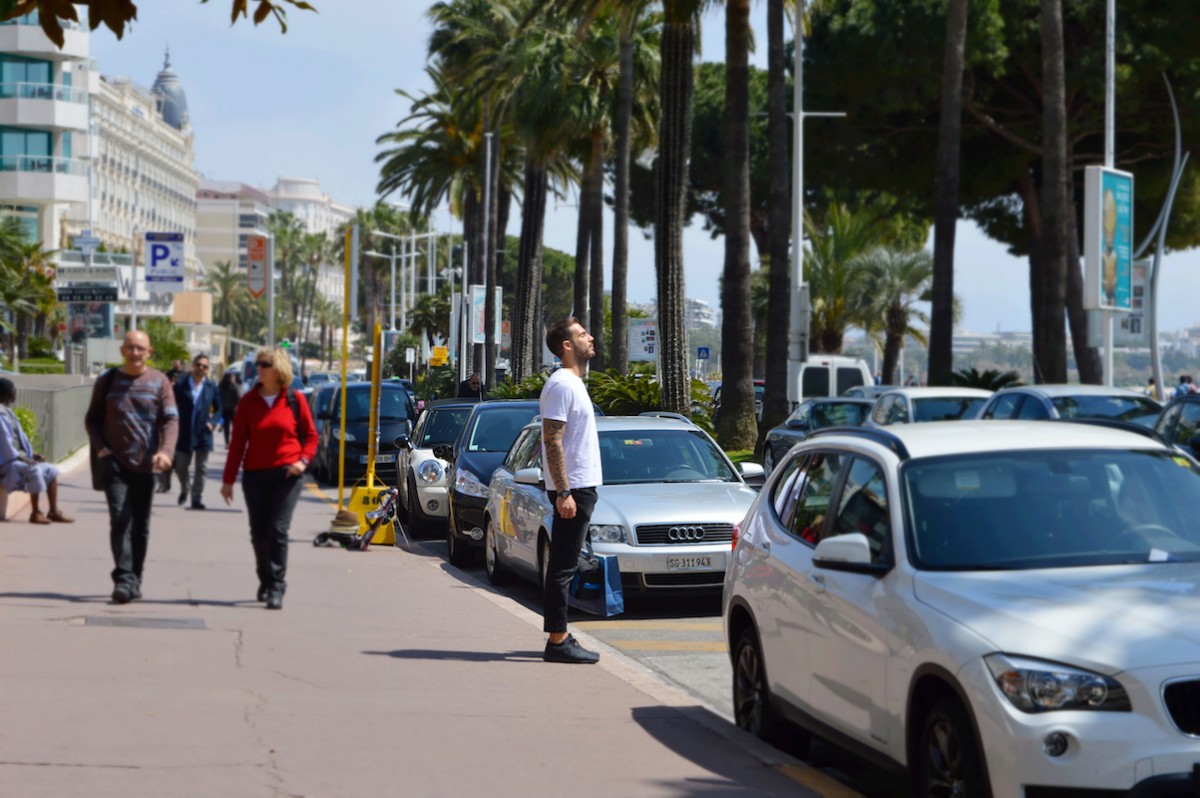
[388, 672]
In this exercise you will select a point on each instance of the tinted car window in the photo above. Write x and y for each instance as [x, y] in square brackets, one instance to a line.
[781, 491]
[496, 429]
[394, 405]
[667, 455]
[848, 378]
[815, 488]
[947, 408]
[1189, 423]
[1136, 409]
[839, 414]
[1003, 406]
[1033, 409]
[815, 381]
[520, 448]
[880, 413]
[863, 507]
[441, 425]
[898, 412]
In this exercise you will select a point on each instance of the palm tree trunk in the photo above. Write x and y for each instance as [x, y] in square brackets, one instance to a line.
[1049, 325]
[676, 87]
[596, 236]
[529, 270]
[941, 327]
[581, 304]
[491, 312]
[1031, 204]
[619, 345]
[737, 427]
[775, 401]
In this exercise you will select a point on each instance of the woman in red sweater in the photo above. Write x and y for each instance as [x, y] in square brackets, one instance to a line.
[274, 440]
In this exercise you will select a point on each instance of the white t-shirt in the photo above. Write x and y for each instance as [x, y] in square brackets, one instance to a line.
[565, 398]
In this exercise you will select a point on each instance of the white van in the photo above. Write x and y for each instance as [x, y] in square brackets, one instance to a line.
[825, 375]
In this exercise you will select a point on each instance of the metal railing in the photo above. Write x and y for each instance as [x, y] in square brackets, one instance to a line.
[59, 414]
[43, 91]
[43, 163]
[77, 258]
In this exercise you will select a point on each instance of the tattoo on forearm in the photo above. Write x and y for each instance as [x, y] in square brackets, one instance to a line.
[556, 459]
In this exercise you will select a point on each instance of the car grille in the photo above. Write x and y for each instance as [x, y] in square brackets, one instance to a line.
[651, 534]
[1183, 703]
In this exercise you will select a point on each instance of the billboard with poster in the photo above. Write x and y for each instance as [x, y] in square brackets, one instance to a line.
[1130, 330]
[89, 320]
[643, 340]
[1108, 239]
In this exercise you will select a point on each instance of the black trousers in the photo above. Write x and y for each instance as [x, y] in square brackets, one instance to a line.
[271, 497]
[227, 422]
[130, 495]
[566, 541]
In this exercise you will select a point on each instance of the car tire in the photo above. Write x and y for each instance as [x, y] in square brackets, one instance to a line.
[948, 758]
[751, 693]
[497, 573]
[419, 524]
[768, 460]
[458, 554]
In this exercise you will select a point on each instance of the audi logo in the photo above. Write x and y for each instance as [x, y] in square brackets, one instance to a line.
[680, 534]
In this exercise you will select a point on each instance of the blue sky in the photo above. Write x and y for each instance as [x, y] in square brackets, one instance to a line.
[312, 102]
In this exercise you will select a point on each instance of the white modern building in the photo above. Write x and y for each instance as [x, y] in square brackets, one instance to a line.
[302, 197]
[227, 212]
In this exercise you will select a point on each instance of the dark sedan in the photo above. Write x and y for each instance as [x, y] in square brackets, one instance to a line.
[479, 450]
[1179, 424]
[397, 415]
[809, 416]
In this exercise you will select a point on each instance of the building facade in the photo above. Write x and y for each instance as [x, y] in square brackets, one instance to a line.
[227, 212]
[302, 197]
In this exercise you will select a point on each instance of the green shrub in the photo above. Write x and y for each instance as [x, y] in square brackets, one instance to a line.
[28, 421]
[528, 388]
[40, 347]
[53, 367]
[630, 394]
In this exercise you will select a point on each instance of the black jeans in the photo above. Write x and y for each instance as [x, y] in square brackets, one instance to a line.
[227, 422]
[271, 497]
[566, 541]
[130, 495]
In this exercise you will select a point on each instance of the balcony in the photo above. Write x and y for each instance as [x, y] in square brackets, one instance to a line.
[47, 106]
[24, 36]
[41, 178]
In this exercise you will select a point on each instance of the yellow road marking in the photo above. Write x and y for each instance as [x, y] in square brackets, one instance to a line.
[713, 646]
[320, 494]
[827, 786]
[651, 625]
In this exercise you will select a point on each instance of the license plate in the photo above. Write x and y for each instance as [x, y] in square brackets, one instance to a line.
[689, 563]
[379, 458]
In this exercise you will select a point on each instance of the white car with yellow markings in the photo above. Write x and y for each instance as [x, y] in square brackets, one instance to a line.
[667, 508]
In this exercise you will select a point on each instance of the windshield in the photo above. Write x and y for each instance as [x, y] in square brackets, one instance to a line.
[497, 428]
[1052, 509]
[1137, 409]
[839, 414]
[629, 457]
[947, 408]
[393, 406]
[442, 425]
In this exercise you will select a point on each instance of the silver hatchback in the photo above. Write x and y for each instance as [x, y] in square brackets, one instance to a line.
[667, 508]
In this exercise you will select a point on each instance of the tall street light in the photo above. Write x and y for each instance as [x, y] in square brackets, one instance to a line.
[391, 257]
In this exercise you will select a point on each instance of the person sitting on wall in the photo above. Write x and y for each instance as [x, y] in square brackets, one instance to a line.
[20, 468]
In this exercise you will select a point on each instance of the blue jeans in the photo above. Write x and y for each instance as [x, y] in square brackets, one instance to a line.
[271, 497]
[130, 495]
[566, 541]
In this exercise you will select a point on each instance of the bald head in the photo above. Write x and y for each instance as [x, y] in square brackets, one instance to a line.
[136, 350]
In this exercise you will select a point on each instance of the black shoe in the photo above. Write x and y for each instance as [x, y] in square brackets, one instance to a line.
[136, 593]
[569, 650]
[263, 593]
[198, 506]
[275, 601]
[182, 498]
[122, 594]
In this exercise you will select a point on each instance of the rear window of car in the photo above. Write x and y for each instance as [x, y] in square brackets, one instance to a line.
[495, 429]
[1135, 409]
[839, 414]
[947, 408]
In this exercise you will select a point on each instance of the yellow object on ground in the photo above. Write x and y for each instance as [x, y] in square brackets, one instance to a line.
[365, 498]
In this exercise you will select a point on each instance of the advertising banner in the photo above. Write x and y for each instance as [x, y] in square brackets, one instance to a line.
[643, 340]
[1131, 330]
[1108, 240]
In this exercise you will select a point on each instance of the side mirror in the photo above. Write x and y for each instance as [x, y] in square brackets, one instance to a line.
[528, 476]
[797, 423]
[843, 550]
[402, 442]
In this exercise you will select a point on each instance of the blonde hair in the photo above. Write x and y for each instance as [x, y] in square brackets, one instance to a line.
[280, 362]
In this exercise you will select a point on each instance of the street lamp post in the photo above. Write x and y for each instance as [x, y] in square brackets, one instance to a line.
[392, 258]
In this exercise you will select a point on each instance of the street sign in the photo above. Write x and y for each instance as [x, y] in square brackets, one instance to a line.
[440, 355]
[164, 265]
[64, 273]
[256, 265]
[410, 354]
[83, 292]
[87, 243]
[702, 353]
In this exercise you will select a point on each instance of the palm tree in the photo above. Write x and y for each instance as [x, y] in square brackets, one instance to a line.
[317, 251]
[775, 398]
[226, 286]
[1049, 313]
[430, 316]
[892, 283]
[834, 243]
[288, 232]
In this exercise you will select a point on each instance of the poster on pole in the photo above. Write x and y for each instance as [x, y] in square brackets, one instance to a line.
[256, 265]
[479, 314]
[1108, 240]
[1132, 329]
[643, 340]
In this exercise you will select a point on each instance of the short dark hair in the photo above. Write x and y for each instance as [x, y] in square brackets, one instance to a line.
[198, 358]
[559, 333]
[7, 390]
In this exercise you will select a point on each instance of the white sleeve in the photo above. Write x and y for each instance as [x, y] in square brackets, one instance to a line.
[555, 401]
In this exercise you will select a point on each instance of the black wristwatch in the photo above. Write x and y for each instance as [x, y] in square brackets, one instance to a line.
[564, 494]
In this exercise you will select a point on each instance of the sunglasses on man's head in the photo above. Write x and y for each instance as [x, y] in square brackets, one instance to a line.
[264, 364]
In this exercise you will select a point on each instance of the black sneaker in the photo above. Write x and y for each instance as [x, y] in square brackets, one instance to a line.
[198, 506]
[263, 593]
[182, 498]
[569, 650]
[275, 601]
[122, 594]
[135, 592]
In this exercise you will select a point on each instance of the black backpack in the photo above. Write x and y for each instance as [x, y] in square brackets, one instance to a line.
[294, 402]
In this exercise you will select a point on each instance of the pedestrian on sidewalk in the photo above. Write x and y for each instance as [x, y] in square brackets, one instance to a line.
[571, 455]
[274, 440]
[199, 404]
[230, 389]
[173, 375]
[132, 423]
[20, 467]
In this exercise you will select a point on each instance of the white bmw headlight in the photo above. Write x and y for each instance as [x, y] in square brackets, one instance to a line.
[430, 472]
[468, 483]
[1035, 686]
[607, 533]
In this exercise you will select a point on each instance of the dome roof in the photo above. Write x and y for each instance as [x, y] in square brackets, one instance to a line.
[172, 98]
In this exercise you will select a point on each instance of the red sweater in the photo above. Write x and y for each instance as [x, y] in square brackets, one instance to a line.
[266, 436]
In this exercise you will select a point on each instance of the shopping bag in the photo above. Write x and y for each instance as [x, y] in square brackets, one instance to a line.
[596, 586]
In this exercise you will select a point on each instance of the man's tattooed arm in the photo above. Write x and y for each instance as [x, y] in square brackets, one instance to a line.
[552, 443]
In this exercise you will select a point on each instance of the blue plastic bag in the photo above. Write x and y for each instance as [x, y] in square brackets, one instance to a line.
[596, 586]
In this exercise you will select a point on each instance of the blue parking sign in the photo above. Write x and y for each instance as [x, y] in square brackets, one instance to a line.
[702, 353]
[164, 260]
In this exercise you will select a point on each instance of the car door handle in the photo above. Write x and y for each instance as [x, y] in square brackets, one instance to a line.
[818, 581]
[764, 548]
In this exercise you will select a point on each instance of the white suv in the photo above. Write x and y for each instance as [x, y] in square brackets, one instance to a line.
[999, 608]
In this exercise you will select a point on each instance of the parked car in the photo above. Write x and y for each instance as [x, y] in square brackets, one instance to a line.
[1000, 608]
[808, 417]
[424, 463]
[667, 508]
[760, 390]
[318, 378]
[916, 405]
[320, 402]
[1032, 402]
[867, 391]
[397, 416]
[1179, 424]
[827, 375]
[479, 448]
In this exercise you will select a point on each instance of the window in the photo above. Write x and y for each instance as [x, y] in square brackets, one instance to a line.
[1189, 424]
[814, 381]
[18, 69]
[898, 412]
[519, 454]
[814, 488]
[1032, 409]
[1005, 406]
[863, 508]
[849, 378]
[782, 494]
[880, 414]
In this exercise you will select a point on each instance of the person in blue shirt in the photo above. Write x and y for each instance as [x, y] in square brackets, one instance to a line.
[20, 467]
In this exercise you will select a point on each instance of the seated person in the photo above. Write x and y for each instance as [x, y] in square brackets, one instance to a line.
[20, 468]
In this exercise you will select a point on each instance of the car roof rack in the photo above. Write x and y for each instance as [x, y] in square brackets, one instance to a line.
[880, 436]
[1113, 423]
[668, 414]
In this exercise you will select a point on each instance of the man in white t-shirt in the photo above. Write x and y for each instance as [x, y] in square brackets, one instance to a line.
[571, 464]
